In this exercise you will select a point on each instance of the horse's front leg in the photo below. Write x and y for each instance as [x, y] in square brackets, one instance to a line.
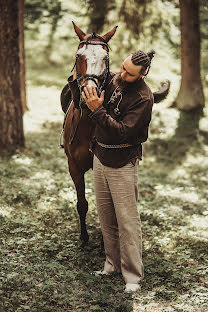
[82, 208]
[82, 204]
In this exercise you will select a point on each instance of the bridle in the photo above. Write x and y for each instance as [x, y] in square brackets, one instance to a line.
[92, 77]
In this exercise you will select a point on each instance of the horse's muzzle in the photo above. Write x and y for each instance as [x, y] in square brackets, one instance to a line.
[83, 86]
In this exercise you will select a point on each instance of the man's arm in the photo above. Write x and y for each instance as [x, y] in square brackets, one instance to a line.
[137, 116]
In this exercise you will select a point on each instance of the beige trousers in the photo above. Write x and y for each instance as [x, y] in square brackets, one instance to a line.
[116, 197]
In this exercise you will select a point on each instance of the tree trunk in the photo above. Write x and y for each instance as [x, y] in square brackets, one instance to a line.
[190, 96]
[11, 122]
[97, 12]
[21, 10]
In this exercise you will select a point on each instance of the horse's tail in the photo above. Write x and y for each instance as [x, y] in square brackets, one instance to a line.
[162, 92]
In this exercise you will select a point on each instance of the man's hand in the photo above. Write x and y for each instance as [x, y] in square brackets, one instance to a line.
[91, 98]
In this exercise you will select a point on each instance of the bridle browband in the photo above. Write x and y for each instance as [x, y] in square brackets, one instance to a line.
[92, 77]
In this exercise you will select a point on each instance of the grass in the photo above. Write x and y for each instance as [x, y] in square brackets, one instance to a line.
[43, 266]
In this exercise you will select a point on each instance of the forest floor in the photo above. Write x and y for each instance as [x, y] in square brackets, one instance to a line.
[43, 267]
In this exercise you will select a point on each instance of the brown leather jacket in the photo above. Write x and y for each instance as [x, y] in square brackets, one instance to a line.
[129, 125]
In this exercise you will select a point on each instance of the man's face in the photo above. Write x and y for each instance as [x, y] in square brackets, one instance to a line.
[130, 72]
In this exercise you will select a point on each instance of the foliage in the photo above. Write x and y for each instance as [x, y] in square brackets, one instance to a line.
[42, 11]
[142, 25]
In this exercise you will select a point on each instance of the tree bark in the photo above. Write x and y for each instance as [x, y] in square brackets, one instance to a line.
[21, 10]
[11, 121]
[190, 96]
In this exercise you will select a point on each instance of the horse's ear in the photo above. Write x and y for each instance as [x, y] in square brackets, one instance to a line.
[79, 32]
[109, 34]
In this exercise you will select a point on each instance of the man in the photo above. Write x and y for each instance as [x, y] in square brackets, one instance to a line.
[121, 125]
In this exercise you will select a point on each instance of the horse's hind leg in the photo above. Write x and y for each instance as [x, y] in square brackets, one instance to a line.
[82, 204]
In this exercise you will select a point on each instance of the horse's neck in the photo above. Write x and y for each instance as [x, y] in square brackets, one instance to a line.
[81, 116]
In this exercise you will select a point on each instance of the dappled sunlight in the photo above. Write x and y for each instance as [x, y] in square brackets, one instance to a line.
[24, 160]
[152, 306]
[193, 160]
[179, 172]
[164, 122]
[203, 123]
[166, 243]
[194, 167]
[44, 177]
[68, 193]
[44, 105]
[46, 203]
[177, 193]
[198, 226]
[5, 210]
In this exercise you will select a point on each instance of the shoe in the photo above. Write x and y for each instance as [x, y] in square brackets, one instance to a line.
[132, 287]
[101, 272]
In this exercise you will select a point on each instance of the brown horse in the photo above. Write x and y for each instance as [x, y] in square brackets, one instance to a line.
[91, 68]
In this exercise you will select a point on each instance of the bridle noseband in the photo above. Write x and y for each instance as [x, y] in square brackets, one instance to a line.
[92, 77]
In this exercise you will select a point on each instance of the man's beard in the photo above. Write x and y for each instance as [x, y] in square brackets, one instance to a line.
[120, 83]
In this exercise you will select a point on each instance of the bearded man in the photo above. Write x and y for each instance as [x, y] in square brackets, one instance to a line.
[122, 116]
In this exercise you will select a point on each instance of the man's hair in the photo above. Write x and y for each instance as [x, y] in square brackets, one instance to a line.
[139, 58]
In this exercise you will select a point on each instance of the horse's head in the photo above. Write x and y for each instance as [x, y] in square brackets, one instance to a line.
[92, 59]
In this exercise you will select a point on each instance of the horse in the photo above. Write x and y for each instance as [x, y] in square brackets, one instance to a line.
[91, 67]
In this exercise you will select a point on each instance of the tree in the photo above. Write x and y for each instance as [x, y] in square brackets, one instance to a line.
[21, 10]
[98, 12]
[11, 75]
[190, 96]
[204, 37]
[55, 15]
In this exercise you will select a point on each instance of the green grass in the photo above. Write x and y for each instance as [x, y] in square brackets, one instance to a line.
[43, 266]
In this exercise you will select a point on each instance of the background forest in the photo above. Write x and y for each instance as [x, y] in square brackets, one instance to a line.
[43, 267]
[142, 25]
